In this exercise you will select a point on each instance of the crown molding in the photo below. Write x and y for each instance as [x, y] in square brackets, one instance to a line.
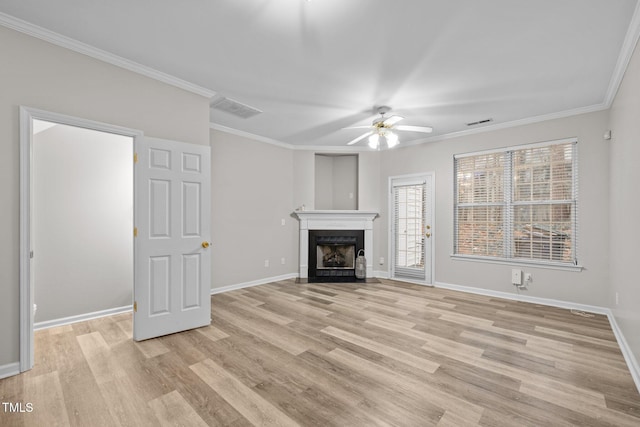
[237, 132]
[626, 52]
[102, 55]
[259, 138]
[271, 141]
[351, 149]
[511, 124]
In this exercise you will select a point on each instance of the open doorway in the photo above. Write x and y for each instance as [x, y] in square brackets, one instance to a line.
[76, 256]
[81, 223]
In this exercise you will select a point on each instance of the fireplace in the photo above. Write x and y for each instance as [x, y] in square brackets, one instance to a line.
[332, 255]
[336, 230]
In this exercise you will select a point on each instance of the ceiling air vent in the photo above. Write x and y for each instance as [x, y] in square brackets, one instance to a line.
[480, 122]
[234, 107]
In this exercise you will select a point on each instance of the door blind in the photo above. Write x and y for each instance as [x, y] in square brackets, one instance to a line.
[408, 232]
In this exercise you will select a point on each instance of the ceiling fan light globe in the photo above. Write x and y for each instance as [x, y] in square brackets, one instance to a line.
[392, 139]
[374, 141]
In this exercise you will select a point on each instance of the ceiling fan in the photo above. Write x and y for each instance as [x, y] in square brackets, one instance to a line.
[383, 128]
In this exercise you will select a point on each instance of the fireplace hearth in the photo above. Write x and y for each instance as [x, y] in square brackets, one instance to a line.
[332, 255]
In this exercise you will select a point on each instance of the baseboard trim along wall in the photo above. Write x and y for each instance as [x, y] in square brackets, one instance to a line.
[632, 362]
[81, 317]
[253, 283]
[525, 298]
[9, 370]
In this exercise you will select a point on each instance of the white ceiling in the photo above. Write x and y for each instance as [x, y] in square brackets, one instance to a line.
[317, 66]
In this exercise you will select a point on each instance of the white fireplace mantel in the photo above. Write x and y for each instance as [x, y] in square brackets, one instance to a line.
[335, 220]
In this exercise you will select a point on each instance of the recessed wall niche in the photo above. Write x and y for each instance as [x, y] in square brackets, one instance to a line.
[336, 181]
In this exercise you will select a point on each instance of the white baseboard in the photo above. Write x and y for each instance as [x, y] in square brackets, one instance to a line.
[632, 362]
[81, 317]
[524, 298]
[9, 370]
[253, 283]
[381, 274]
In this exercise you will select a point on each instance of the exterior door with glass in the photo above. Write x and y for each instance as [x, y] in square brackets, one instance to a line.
[411, 227]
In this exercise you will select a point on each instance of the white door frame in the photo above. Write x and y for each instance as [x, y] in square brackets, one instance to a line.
[391, 237]
[27, 115]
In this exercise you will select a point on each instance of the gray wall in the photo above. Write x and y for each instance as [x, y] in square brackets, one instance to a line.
[323, 182]
[587, 287]
[345, 182]
[624, 205]
[251, 193]
[82, 217]
[37, 74]
[336, 182]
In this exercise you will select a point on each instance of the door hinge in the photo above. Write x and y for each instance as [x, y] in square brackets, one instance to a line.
[135, 157]
[135, 306]
[135, 231]
[30, 254]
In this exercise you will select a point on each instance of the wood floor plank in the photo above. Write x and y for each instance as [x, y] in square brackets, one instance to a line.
[45, 394]
[265, 314]
[97, 353]
[577, 337]
[273, 334]
[60, 330]
[213, 333]
[152, 348]
[212, 408]
[172, 410]
[399, 355]
[431, 342]
[251, 405]
[422, 395]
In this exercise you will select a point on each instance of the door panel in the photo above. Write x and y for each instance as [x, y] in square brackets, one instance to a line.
[411, 230]
[172, 265]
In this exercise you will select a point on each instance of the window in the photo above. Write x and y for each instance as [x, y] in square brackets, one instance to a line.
[518, 204]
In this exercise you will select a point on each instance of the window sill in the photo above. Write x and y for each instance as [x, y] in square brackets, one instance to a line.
[538, 264]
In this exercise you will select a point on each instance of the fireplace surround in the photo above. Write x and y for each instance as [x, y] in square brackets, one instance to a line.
[337, 231]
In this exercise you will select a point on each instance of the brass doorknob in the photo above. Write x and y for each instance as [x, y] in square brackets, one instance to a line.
[428, 235]
[205, 244]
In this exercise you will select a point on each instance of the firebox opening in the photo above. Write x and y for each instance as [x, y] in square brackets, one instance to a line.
[332, 255]
[336, 256]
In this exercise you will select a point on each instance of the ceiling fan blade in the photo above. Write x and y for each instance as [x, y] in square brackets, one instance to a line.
[360, 138]
[424, 129]
[392, 120]
[358, 127]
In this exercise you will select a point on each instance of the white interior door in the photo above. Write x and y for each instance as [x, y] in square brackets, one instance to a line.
[411, 227]
[172, 261]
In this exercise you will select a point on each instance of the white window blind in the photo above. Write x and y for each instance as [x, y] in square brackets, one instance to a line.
[518, 204]
[408, 230]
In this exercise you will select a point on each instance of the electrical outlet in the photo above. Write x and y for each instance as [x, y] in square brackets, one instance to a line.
[617, 300]
[516, 277]
[266, 263]
[282, 261]
[282, 221]
[381, 260]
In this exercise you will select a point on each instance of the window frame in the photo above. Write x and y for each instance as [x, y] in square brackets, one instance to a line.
[508, 205]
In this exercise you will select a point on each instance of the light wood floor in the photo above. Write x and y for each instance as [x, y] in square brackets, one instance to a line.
[372, 354]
